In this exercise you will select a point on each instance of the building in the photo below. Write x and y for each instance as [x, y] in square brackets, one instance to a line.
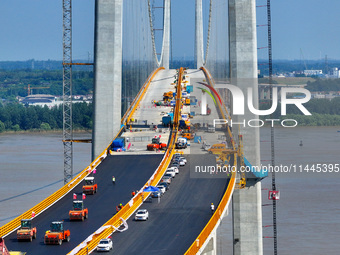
[312, 72]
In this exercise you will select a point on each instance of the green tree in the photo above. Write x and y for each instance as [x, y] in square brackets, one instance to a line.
[45, 126]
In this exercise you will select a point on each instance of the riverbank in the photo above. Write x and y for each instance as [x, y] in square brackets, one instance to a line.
[52, 131]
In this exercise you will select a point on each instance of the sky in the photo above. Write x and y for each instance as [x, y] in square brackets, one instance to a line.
[32, 29]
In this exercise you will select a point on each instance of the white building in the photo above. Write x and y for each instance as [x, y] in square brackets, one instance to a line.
[334, 73]
[312, 72]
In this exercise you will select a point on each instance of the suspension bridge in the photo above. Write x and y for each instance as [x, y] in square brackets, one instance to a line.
[180, 222]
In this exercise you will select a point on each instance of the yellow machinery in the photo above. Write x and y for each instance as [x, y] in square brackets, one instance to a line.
[224, 159]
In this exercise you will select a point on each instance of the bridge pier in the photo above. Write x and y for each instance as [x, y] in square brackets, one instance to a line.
[107, 73]
[247, 207]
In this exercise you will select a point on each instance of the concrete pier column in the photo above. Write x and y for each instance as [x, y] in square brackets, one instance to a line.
[247, 208]
[199, 50]
[165, 57]
[107, 73]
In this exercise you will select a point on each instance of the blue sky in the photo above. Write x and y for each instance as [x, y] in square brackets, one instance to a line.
[33, 29]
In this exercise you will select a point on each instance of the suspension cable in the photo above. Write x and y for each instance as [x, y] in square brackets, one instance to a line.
[208, 37]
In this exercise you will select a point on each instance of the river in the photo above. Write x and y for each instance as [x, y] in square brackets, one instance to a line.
[308, 219]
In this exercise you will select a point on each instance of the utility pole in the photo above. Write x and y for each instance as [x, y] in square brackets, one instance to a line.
[67, 90]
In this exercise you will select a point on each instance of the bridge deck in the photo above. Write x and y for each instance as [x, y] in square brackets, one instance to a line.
[131, 173]
[177, 220]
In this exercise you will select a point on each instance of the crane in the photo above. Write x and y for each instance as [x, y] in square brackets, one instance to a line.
[29, 89]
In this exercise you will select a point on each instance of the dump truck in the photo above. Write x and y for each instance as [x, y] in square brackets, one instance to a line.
[57, 234]
[167, 120]
[90, 186]
[156, 145]
[168, 96]
[26, 231]
[78, 212]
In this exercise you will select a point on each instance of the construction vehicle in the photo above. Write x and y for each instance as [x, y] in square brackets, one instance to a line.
[156, 145]
[57, 234]
[78, 212]
[167, 96]
[26, 232]
[90, 186]
[188, 135]
[181, 143]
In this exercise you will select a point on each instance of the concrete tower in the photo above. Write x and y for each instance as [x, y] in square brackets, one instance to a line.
[107, 73]
[165, 57]
[199, 51]
[247, 208]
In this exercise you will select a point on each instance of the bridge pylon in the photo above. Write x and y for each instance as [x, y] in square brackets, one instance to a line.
[247, 206]
[107, 73]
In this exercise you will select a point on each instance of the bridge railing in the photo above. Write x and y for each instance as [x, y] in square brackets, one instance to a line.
[56, 196]
[88, 245]
[129, 113]
[214, 221]
[52, 199]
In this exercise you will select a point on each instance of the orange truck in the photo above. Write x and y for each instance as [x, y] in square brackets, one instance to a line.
[90, 186]
[57, 234]
[78, 212]
[26, 231]
[156, 145]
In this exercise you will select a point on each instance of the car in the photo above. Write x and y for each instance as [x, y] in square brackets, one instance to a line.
[181, 163]
[156, 194]
[162, 188]
[164, 184]
[142, 214]
[171, 171]
[105, 245]
[174, 168]
[168, 175]
[175, 164]
[184, 159]
[166, 179]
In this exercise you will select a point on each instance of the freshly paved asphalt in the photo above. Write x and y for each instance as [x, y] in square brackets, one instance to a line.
[177, 220]
[131, 173]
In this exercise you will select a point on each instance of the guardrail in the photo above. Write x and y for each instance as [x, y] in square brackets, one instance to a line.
[56, 196]
[88, 245]
[52, 199]
[198, 244]
[127, 116]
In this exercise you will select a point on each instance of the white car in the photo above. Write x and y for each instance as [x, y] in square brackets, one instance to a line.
[171, 171]
[142, 214]
[105, 245]
[181, 162]
[175, 168]
[184, 159]
[161, 188]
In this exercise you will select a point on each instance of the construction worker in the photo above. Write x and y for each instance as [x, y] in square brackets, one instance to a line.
[133, 193]
[113, 179]
[212, 207]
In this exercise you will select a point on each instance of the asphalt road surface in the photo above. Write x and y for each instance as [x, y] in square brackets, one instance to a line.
[131, 173]
[177, 220]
